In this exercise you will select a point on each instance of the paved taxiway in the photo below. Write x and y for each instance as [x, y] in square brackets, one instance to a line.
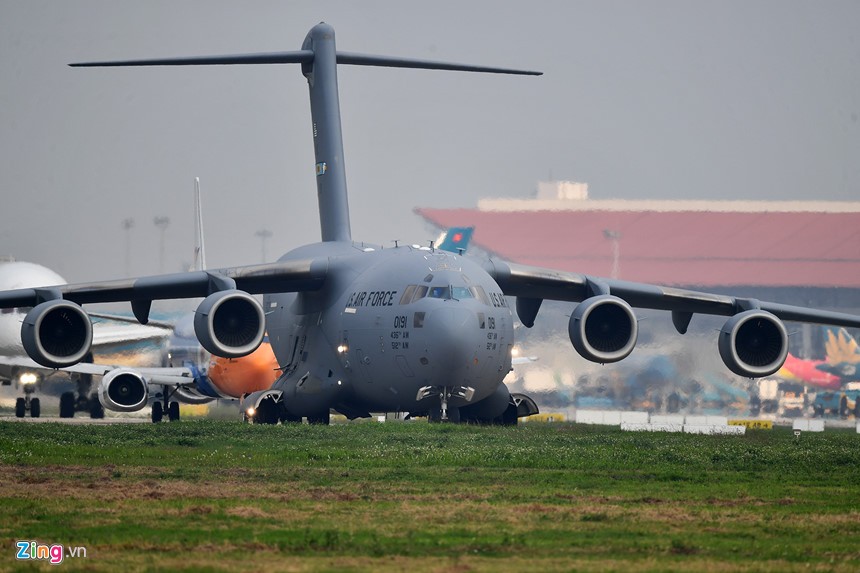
[79, 421]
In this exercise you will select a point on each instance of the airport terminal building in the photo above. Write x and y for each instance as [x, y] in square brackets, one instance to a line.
[797, 252]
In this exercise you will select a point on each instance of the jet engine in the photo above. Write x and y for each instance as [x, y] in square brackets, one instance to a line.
[753, 343]
[230, 323]
[123, 390]
[57, 333]
[603, 329]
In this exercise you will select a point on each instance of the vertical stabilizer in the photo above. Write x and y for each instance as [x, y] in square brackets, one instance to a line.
[328, 139]
[319, 61]
[199, 249]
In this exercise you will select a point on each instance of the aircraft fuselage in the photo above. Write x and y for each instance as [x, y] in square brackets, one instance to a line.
[396, 321]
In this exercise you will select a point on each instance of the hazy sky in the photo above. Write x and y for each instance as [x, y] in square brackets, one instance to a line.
[657, 99]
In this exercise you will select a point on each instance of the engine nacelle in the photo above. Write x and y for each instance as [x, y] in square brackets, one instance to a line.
[230, 323]
[192, 396]
[753, 343]
[123, 390]
[57, 333]
[603, 329]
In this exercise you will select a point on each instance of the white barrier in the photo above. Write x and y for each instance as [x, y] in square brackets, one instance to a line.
[671, 419]
[589, 416]
[706, 420]
[807, 425]
[637, 421]
[609, 417]
[667, 427]
[638, 427]
[710, 429]
[715, 429]
[634, 417]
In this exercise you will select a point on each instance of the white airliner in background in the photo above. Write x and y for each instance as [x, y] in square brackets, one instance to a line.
[161, 363]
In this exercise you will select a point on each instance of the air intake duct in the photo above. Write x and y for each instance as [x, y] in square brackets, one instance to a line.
[230, 323]
[57, 333]
[603, 329]
[753, 343]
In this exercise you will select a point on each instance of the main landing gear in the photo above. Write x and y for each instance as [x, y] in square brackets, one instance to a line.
[69, 405]
[165, 406]
[271, 410]
[84, 401]
[27, 404]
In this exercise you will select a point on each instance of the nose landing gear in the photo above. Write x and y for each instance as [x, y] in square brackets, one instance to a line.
[444, 413]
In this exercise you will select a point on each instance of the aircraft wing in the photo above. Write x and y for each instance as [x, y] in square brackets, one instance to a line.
[162, 324]
[106, 335]
[156, 375]
[535, 284]
[287, 276]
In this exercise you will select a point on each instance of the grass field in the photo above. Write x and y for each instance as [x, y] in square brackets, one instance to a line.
[212, 496]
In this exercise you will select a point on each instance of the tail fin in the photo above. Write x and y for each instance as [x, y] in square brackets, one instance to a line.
[456, 239]
[841, 347]
[199, 263]
[319, 59]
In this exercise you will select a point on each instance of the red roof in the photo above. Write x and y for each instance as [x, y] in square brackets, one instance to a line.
[688, 248]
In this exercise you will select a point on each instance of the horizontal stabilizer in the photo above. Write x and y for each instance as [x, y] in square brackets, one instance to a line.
[303, 57]
[388, 62]
[299, 57]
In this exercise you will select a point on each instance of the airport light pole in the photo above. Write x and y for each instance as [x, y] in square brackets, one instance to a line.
[615, 238]
[264, 235]
[161, 223]
[127, 225]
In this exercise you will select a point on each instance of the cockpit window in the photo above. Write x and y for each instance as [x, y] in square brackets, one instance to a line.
[440, 292]
[407, 295]
[461, 293]
[414, 293]
[420, 292]
[480, 294]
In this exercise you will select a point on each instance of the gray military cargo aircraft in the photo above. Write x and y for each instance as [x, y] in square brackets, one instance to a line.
[357, 329]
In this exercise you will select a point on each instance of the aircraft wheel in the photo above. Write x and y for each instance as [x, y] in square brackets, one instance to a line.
[843, 407]
[453, 415]
[287, 418]
[173, 412]
[67, 405]
[35, 408]
[267, 413]
[322, 419]
[157, 412]
[434, 414]
[97, 411]
[509, 417]
[20, 408]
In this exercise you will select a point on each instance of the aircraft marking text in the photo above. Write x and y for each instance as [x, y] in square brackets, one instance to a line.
[372, 298]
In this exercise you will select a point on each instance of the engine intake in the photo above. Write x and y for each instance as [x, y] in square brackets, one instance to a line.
[57, 333]
[753, 343]
[230, 323]
[123, 390]
[603, 329]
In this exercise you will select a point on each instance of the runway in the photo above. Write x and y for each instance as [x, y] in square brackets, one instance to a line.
[82, 420]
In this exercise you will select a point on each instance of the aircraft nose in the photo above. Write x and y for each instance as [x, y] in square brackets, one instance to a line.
[454, 336]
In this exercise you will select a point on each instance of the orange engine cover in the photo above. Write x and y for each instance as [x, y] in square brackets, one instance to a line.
[237, 376]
